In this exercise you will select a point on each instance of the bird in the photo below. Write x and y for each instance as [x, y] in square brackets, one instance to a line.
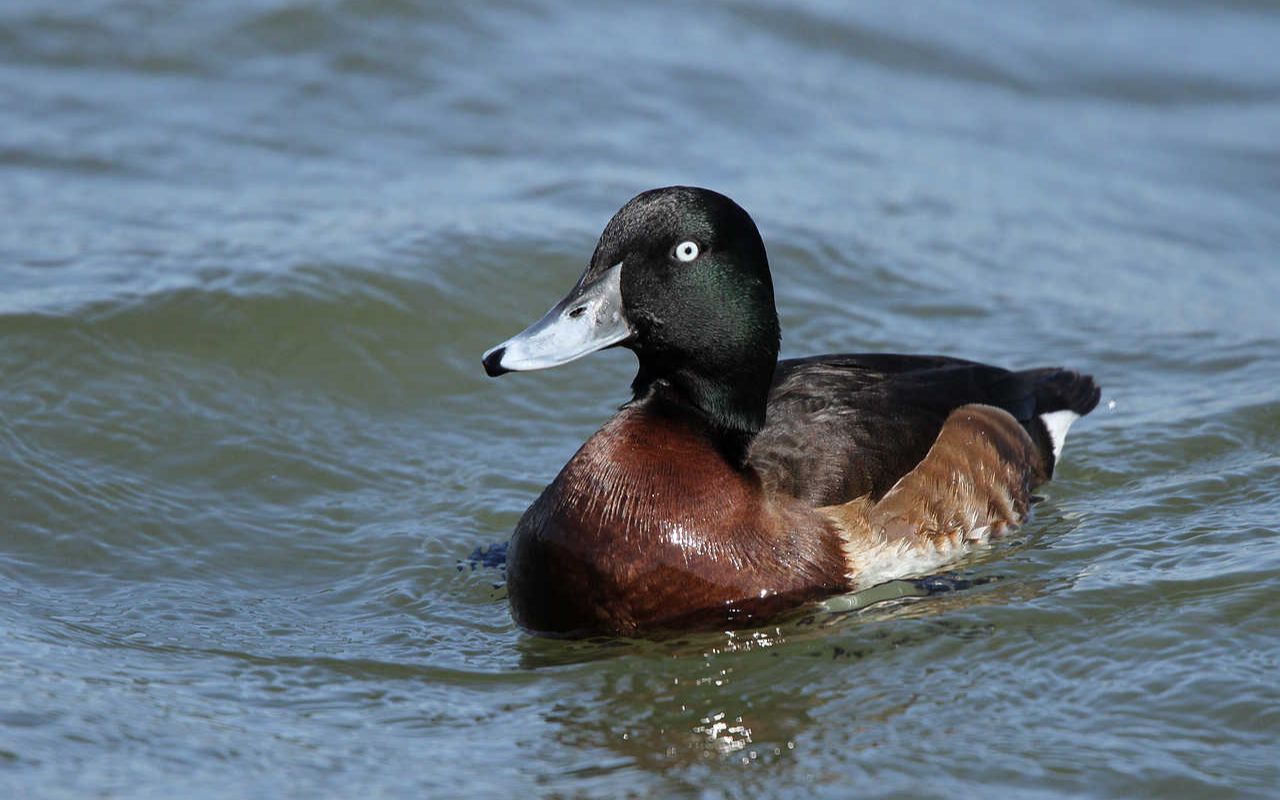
[732, 486]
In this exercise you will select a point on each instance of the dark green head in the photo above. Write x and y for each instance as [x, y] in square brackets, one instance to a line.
[680, 277]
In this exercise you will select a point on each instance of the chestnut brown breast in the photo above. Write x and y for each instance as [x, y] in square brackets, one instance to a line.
[648, 526]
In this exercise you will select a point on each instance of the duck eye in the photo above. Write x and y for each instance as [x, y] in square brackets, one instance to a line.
[686, 251]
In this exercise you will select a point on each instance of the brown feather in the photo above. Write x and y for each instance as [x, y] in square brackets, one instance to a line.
[648, 526]
[974, 483]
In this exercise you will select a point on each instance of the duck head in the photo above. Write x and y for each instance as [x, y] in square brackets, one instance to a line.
[680, 277]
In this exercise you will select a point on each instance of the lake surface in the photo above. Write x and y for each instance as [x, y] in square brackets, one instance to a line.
[251, 251]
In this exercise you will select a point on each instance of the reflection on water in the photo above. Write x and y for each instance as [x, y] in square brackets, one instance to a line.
[716, 698]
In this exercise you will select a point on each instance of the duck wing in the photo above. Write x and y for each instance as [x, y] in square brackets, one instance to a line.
[840, 427]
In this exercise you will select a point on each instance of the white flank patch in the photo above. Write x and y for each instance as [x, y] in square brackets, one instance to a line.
[910, 557]
[1058, 422]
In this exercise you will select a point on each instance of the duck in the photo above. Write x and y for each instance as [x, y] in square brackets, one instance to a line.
[733, 487]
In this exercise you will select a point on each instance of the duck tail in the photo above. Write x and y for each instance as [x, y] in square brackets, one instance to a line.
[1062, 396]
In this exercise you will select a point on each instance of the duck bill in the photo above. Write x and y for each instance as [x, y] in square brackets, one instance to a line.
[590, 318]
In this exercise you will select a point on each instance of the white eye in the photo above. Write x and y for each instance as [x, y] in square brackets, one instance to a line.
[687, 251]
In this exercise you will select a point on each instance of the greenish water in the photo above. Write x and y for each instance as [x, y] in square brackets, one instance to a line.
[251, 251]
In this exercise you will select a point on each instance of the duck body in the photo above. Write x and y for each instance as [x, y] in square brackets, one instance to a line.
[734, 486]
[648, 526]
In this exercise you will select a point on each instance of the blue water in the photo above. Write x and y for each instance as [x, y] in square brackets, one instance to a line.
[251, 251]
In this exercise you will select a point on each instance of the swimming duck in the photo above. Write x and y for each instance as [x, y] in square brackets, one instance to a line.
[733, 486]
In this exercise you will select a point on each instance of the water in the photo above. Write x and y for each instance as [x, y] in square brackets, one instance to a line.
[251, 252]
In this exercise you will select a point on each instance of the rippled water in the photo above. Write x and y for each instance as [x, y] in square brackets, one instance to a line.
[251, 252]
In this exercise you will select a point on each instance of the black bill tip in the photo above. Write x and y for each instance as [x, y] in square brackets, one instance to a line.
[493, 362]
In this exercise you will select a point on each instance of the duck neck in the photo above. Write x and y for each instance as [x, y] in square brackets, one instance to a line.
[730, 409]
